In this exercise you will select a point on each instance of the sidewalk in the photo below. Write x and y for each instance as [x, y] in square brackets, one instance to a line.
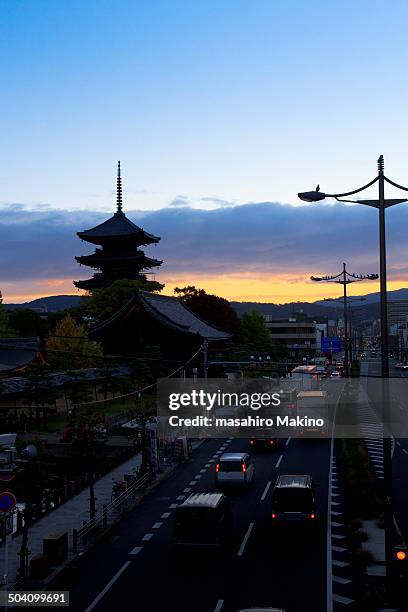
[66, 517]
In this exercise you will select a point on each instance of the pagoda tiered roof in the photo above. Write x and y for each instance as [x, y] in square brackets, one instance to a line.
[117, 226]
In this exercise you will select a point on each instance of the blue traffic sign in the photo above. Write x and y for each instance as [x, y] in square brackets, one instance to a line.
[7, 501]
[331, 344]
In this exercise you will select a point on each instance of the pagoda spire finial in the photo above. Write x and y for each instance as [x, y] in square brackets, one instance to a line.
[119, 191]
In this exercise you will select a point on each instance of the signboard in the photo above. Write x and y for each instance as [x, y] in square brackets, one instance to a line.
[7, 501]
[330, 344]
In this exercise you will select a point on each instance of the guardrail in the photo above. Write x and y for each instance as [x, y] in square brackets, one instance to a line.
[110, 514]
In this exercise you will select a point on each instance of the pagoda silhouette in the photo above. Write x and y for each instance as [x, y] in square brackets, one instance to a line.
[118, 256]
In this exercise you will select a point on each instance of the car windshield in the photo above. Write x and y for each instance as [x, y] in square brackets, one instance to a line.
[230, 466]
[292, 500]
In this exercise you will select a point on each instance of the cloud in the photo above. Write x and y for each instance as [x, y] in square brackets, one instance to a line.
[262, 239]
[180, 200]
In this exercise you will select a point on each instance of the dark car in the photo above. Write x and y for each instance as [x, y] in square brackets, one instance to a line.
[261, 443]
[203, 521]
[293, 500]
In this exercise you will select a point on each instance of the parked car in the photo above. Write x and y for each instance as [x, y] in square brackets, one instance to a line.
[203, 521]
[335, 374]
[293, 500]
[234, 468]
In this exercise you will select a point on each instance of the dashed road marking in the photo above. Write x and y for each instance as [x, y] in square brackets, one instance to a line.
[339, 549]
[203, 471]
[340, 563]
[157, 525]
[172, 506]
[192, 482]
[288, 441]
[187, 490]
[147, 537]
[279, 461]
[219, 605]
[265, 493]
[180, 498]
[341, 580]
[346, 601]
[197, 477]
[165, 515]
[245, 540]
[136, 550]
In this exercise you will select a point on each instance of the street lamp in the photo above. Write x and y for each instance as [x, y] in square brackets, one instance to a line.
[381, 204]
[345, 278]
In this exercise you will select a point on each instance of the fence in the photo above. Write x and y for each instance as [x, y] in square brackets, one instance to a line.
[110, 514]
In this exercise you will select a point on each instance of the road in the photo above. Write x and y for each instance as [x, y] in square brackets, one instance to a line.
[133, 569]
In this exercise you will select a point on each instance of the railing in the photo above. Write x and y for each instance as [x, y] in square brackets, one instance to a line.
[110, 514]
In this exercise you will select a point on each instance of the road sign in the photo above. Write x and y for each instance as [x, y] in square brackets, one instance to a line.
[7, 501]
[330, 344]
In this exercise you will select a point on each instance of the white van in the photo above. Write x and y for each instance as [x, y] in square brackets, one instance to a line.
[234, 468]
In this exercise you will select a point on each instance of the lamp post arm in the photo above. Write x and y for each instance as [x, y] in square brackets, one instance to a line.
[395, 184]
[348, 193]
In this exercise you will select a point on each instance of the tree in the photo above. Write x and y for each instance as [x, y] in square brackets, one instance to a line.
[102, 303]
[26, 322]
[5, 330]
[69, 346]
[255, 334]
[41, 392]
[213, 309]
[77, 390]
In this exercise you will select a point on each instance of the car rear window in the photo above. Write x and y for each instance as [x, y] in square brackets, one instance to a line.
[230, 466]
[292, 500]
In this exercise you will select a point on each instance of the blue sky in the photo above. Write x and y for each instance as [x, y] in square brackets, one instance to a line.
[207, 103]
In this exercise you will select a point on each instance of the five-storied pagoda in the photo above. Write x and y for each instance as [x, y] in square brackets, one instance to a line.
[118, 256]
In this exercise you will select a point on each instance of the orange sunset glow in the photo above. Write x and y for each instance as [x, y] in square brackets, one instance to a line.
[243, 287]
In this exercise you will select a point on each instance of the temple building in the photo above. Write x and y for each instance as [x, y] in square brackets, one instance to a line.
[119, 255]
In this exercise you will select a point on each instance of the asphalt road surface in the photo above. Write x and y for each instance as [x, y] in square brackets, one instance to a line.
[285, 568]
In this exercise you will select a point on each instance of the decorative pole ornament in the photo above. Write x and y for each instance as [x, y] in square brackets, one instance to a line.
[119, 191]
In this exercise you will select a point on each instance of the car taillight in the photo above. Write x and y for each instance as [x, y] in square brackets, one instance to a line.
[271, 442]
[217, 468]
[274, 515]
[312, 515]
[244, 468]
[251, 441]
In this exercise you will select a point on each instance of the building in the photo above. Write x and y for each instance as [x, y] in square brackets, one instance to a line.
[397, 312]
[118, 256]
[300, 338]
[154, 320]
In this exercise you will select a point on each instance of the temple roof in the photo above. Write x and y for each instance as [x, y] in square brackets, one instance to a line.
[170, 312]
[117, 226]
[16, 353]
[100, 258]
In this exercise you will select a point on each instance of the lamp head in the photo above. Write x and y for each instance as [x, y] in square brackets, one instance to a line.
[312, 196]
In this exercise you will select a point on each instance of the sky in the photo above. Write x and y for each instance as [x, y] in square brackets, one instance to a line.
[220, 112]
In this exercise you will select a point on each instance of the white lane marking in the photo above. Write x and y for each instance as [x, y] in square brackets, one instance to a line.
[172, 506]
[219, 605]
[404, 450]
[207, 465]
[338, 549]
[157, 525]
[245, 540]
[398, 443]
[203, 471]
[265, 493]
[180, 498]
[211, 461]
[187, 490]
[197, 477]
[341, 580]
[147, 537]
[346, 601]
[279, 461]
[165, 515]
[288, 441]
[108, 586]
[334, 524]
[192, 482]
[136, 550]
